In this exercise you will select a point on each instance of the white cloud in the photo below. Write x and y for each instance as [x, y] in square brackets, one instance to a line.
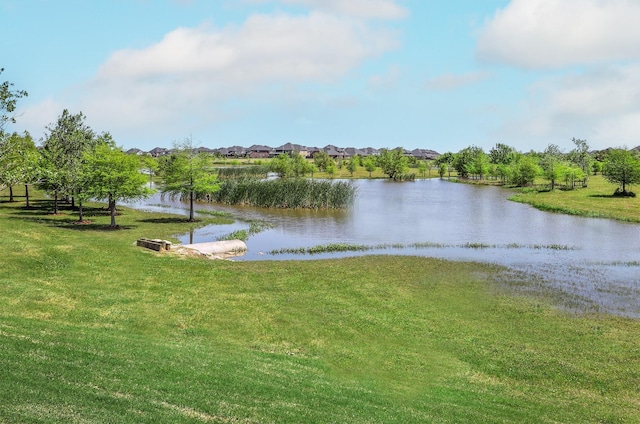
[452, 81]
[196, 76]
[365, 9]
[558, 33]
[601, 105]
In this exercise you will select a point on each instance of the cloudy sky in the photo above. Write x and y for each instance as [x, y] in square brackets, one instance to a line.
[433, 74]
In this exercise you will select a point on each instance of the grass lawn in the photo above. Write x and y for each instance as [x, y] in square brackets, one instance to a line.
[95, 329]
[594, 201]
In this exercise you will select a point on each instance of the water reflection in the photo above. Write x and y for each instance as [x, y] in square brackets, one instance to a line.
[601, 265]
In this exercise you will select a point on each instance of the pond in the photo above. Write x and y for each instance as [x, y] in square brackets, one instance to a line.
[594, 261]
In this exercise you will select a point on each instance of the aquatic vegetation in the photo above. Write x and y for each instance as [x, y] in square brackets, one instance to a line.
[347, 247]
[293, 193]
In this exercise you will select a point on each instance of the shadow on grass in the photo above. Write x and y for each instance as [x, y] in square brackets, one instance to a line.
[169, 220]
[73, 224]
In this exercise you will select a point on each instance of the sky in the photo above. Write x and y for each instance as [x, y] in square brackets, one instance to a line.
[440, 75]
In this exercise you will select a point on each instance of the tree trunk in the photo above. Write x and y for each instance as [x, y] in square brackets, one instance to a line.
[26, 193]
[112, 209]
[191, 219]
[55, 202]
[11, 193]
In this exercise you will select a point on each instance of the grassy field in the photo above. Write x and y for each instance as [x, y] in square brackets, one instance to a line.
[594, 201]
[95, 329]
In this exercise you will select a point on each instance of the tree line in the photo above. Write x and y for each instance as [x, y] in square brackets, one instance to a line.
[508, 166]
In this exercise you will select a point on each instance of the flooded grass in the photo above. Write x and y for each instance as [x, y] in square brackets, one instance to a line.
[349, 247]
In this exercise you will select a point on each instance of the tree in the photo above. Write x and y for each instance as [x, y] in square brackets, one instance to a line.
[112, 175]
[622, 167]
[422, 168]
[150, 164]
[64, 151]
[188, 174]
[501, 154]
[581, 157]
[352, 164]
[442, 169]
[550, 163]
[281, 165]
[393, 162]
[321, 159]
[8, 100]
[18, 162]
[524, 171]
[369, 165]
[300, 166]
[471, 161]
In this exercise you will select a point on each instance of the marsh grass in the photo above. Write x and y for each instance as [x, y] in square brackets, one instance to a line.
[95, 329]
[350, 247]
[293, 193]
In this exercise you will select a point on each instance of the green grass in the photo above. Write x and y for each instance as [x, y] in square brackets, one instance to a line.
[95, 329]
[594, 201]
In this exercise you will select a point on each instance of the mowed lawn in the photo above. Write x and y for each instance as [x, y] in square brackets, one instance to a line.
[95, 329]
[595, 200]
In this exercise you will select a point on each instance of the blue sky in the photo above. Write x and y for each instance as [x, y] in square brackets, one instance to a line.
[440, 75]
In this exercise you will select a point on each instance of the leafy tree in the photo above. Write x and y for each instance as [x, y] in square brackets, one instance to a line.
[150, 164]
[112, 175]
[422, 168]
[300, 166]
[369, 165]
[501, 154]
[352, 164]
[187, 174]
[596, 167]
[622, 167]
[281, 165]
[471, 161]
[524, 171]
[18, 162]
[581, 157]
[331, 168]
[8, 100]
[570, 173]
[393, 162]
[64, 151]
[321, 159]
[479, 164]
[442, 169]
[551, 162]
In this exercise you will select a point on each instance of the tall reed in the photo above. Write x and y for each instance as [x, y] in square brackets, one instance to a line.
[293, 193]
[255, 171]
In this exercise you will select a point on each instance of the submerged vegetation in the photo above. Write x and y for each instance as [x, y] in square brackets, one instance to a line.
[349, 247]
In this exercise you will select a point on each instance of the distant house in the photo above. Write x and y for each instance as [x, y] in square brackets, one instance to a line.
[334, 152]
[236, 152]
[258, 151]
[424, 154]
[204, 150]
[159, 151]
[352, 151]
[290, 148]
[136, 152]
[370, 151]
[312, 151]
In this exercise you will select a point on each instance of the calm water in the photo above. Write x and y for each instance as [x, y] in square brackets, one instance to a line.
[599, 263]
